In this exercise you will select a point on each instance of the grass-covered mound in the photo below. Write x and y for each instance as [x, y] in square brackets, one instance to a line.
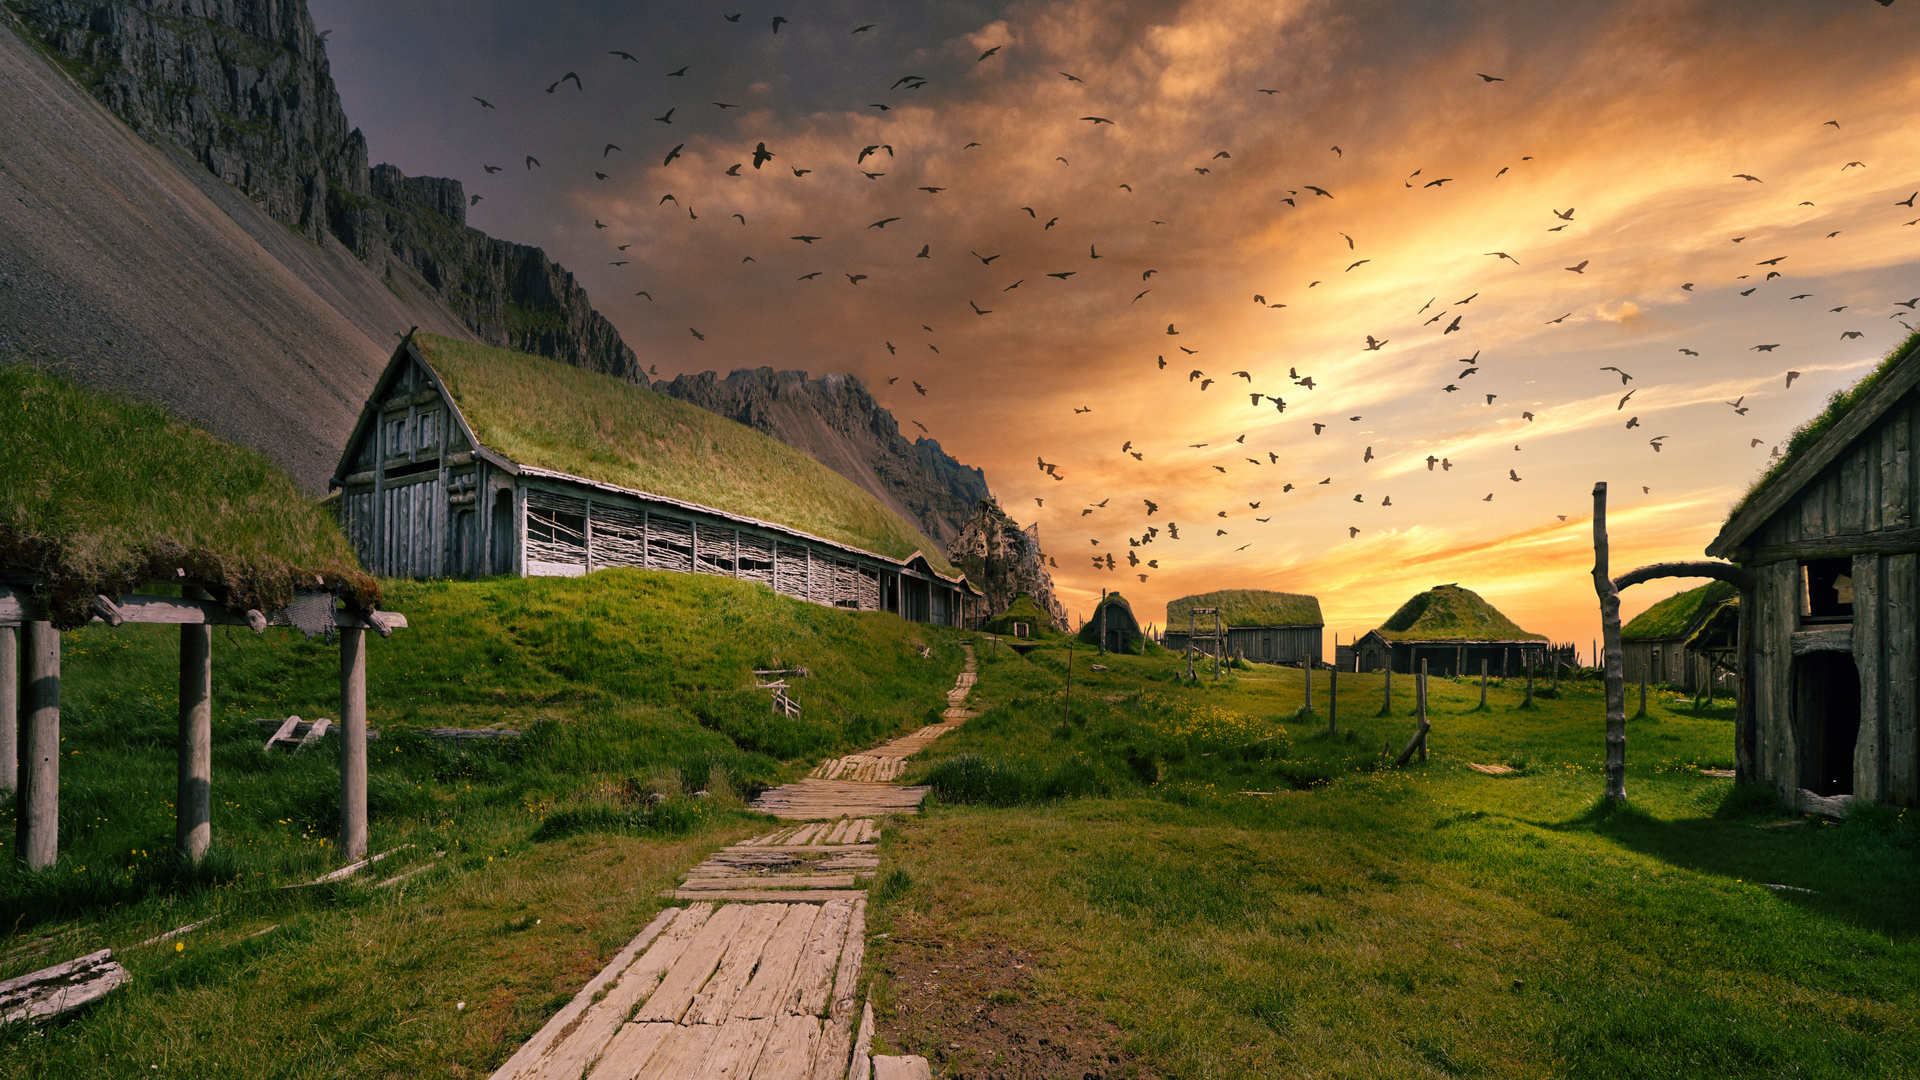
[102, 494]
[1678, 614]
[1451, 613]
[1248, 607]
[1023, 609]
[542, 412]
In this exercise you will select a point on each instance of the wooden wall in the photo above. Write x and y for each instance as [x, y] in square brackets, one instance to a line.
[1663, 662]
[1261, 644]
[1870, 489]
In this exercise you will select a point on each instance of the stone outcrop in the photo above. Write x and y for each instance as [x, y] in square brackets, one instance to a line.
[1004, 560]
[243, 87]
[835, 420]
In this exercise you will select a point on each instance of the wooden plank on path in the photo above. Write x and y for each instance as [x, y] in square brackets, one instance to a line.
[767, 896]
[848, 972]
[836, 1042]
[789, 1051]
[531, 1059]
[715, 999]
[629, 1050]
[738, 1049]
[690, 971]
[813, 975]
[826, 849]
[862, 1067]
[682, 1053]
[773, 882]
[761, 999]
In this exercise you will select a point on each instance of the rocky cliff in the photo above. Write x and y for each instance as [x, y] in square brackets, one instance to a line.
[1005, 560]
[243, 87]
[836, 421]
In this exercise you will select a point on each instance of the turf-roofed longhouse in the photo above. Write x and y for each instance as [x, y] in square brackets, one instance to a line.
[1261, 626]
[1829, 642]
[1112, 626]
[1453, 630]
[470, 460]
[1655, 644]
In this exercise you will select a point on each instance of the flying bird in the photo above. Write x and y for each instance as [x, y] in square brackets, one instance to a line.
[1689, 352]
[1097, 120]
[1505, 256]
[1580, 269]
[1373, 345]
[1623, 401]
[1791, 375]
[531, 162]
[1491, 78]
[1765, 348]
[671, 154]
[1738, 409]
[1624, 377]
[1655, 442]
[761, 155]
[1748, 176]
[990, 52]
[882, 223]
[1844, 334]
[484, 103]
[777, 20]
[1362, 262]
[976, 309]
[691, 330]
[1561, 319]
[491, 168]
[855, 279]
[666, 118]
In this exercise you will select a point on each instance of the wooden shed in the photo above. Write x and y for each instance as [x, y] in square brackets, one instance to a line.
[1453, 630]
[1112, 625]
[424, 496]
[1828, 640]
[1655, 644]
[1262, 626]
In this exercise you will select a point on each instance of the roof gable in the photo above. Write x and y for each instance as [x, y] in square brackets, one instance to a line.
[1678, 615]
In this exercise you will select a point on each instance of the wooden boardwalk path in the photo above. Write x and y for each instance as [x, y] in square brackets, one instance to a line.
[762, 987]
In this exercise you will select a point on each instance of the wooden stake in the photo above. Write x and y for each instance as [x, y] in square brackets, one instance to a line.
[9, 708]
[1642, 714]
[1333, 700]
[1421, 697]
[1610, 630]
[193, 787]
[1528, 704]
[1386, 699]
[1483, 681]
[353, 744]
[38, 816]
[1309, 667]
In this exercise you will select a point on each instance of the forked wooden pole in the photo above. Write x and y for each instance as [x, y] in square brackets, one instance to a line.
[1610, 631]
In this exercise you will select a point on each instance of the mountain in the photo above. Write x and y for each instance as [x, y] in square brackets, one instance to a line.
[213, 237]
[1004, 560]
[836, 421]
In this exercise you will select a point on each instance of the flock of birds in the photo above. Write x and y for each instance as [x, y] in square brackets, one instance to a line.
[1179, 357]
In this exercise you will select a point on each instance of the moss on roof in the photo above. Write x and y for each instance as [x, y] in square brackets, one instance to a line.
[1248, 607]
[1677, 614]
[103, 494]
[1451, 613]
[1838, 406]
[552, 415]
[1023, 609]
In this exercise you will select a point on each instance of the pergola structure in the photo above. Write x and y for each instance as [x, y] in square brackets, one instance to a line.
[30, 690]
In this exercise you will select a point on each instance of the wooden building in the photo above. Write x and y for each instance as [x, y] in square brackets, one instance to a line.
[1828, 640]
[1261, 626]
[423, 497]
[1654, 646]
[1453, 630]
[1112, 626]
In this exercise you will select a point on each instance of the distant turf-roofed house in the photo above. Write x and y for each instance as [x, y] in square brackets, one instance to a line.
[1022, 619]
[1112, 623]
[1453, 630]
[1830, 537]
[1264, 627]
[470, 460]
[1654, 644]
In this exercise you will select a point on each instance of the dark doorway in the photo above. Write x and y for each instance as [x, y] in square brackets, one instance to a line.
[1826, 699]
[502, 533]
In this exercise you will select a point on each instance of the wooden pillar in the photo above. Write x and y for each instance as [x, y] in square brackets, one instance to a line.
[37, 817]
[1420, 710]
[1386, 699]
[353, 743]
[1483, 680]
[1333, 700]
[9, 708]
[1309, 667]
[1459, 660]
[1528, 704]
[193, 787]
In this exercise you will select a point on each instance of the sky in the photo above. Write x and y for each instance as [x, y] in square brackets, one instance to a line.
[1534, 209]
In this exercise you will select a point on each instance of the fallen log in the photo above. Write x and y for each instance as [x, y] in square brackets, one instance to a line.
[61, 988]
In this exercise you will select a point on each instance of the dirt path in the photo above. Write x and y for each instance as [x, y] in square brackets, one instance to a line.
[754, 979]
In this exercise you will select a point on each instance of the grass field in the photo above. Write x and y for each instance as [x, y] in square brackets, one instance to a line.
[1368, 923]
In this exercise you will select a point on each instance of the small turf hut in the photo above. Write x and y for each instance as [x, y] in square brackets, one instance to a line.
[1264, 627]
[1830, 635]
[1022, 619]
[1112, 625]
[470, 460]
[1654, 644]
[1453, 630]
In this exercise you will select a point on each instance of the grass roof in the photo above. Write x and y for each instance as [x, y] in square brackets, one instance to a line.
[102, 494]
[1249, 607]
[545, 413]
[1451, 613]
[1677, 614]
[1838, 406]
[1023, 609]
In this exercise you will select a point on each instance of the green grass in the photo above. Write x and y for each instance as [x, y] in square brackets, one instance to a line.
[542, 412]
[1250, 607]
[1431, 921]
[1449, 613]
[100, 494]
[1675, 615]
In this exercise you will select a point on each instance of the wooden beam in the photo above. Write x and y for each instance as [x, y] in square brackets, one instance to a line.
[18, 607]
[37, 824]
[193, 787]
[61, 988]
[1883, 542]
[353, 743]
[1830, 639]
[1727, 572]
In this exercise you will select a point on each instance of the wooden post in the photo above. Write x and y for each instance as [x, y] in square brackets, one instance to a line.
[1219, 643]
[1610, 629]
[37, 817]
[1103, 622]
[1386, 699]
[1190, 632]
[1556, 675]
[1459, 660]
[9, 708]
[1641, 715]
[353, 744]
[1309, 666]
[1421, 707]
[193, 787]
[1528, 704]
[1067, 711]
[1483, 680]
[1333, 700]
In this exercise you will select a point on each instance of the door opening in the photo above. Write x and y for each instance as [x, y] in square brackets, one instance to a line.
[1826, 701]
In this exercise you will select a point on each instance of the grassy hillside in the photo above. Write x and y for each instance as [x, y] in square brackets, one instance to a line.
[1449, 612]
[100, 494]
[1248, 607]
[542, 412]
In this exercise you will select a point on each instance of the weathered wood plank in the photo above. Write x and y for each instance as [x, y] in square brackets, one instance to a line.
[789, 1052]
[284, 731]
[1896, 485]
[812, 983]
[627, 1053]
[61, 988]
[901, 1067]
[738, 1049]
[1902, 656]
[1829, 638]
[1867, 644]
[836, 1044]
[847, 973]
[765, 896]
[812, 849]
[715, 1000]
[1781, 611]
[862, 1067]
[762, 997]
[691, 969]
[682, 1052]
